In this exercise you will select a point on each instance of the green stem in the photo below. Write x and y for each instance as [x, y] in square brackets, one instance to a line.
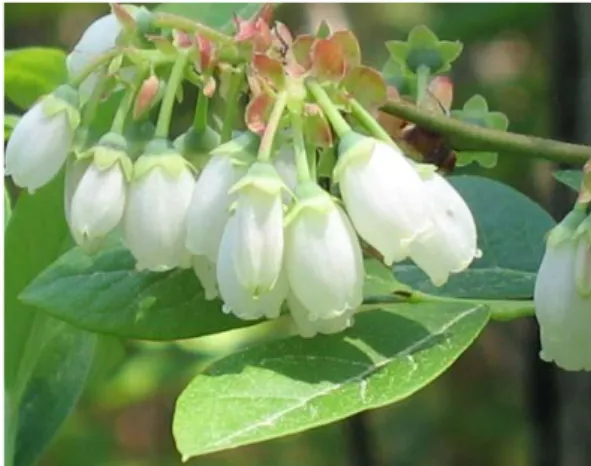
[369, 122]
[299, 147]
[100, 61]
[93, 102]
[169, 20]
[423, 75]
[337, 121]
[174, 81]
[467, 137]
[236, 79]
[266, 145]
[126, 103]
[200, 119]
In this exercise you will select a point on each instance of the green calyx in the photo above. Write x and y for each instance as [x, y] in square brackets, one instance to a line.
[196, 147]
[353, 147]
[242, 149]
[567, 230]
[63, 99]
[160, 153]
[309, 196]
[109, 150]
[263, 177]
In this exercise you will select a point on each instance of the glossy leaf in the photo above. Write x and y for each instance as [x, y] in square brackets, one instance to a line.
[571, 178]
[511, 233]
[288, 386]
[32, 72]
[105, 294]
[53, 388]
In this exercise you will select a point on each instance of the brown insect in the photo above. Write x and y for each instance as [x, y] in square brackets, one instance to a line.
[425, 145]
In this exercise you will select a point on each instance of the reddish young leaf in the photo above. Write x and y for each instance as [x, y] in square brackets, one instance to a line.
[350, 47]
[257, 113]
[206, 52]
[123, 16]
[301, 50]
[316, 127]
[269, 69]
[367, 86]
[328, 63]
[146, 96]
[209, 86]
[439, 95]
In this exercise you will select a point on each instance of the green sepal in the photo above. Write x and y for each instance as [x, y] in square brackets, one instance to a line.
[423, 48]
[62, 100]
[242, 149]
[161, 153]
[425, 170]
[309, 196]
[262, 176]
[352, 146]
[196, 147]
[109, 150]
[567, 229]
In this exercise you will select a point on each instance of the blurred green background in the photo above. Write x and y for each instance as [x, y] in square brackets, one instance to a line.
[486, 409]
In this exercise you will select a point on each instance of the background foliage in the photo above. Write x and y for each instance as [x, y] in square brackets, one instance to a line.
[477, 409]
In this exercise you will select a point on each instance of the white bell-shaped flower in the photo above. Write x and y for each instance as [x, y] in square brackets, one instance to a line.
[322, 256]
[563, 313]
[40, 142]
[75, 170]
[238, 299]
[210, 205]
[258, 252]
[384, 195]
[451, 246]
[206, 273]
[308, 328]
[98, 201]
[155, 220]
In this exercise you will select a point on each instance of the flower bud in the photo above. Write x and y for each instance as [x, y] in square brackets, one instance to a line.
[99, 199]
[238, 299]
[41, 140]
[562, 311]
[209, 208]
[150, 93]
[451, 246]
[322, 256]
[155, 220]
[205, 271]
[384, 195]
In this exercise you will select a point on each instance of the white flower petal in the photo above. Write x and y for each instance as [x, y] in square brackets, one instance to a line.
[563, 314]
[38, 147]
[209, 208]
[238, 299]
[324, 262]
[451, 246]
[308, 328]
[205, 271]
[98, 203]
[259, 243]
[155, 219]
[385, 198]
[75, 170]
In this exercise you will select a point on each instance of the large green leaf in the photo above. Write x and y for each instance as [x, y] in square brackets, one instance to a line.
[105, 293]
[53, 388]
[32, 72]
[216, 15]
[35, 236]
[288, 386]
[511, 232]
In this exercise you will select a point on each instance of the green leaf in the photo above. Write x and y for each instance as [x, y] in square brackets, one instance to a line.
[54, 387]
[30, 73]
[10, 121]
[35, 236]
[511, 234]
[571, 178]
[7, 207]
[105, 294]
[288, 386]
[216, 15]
